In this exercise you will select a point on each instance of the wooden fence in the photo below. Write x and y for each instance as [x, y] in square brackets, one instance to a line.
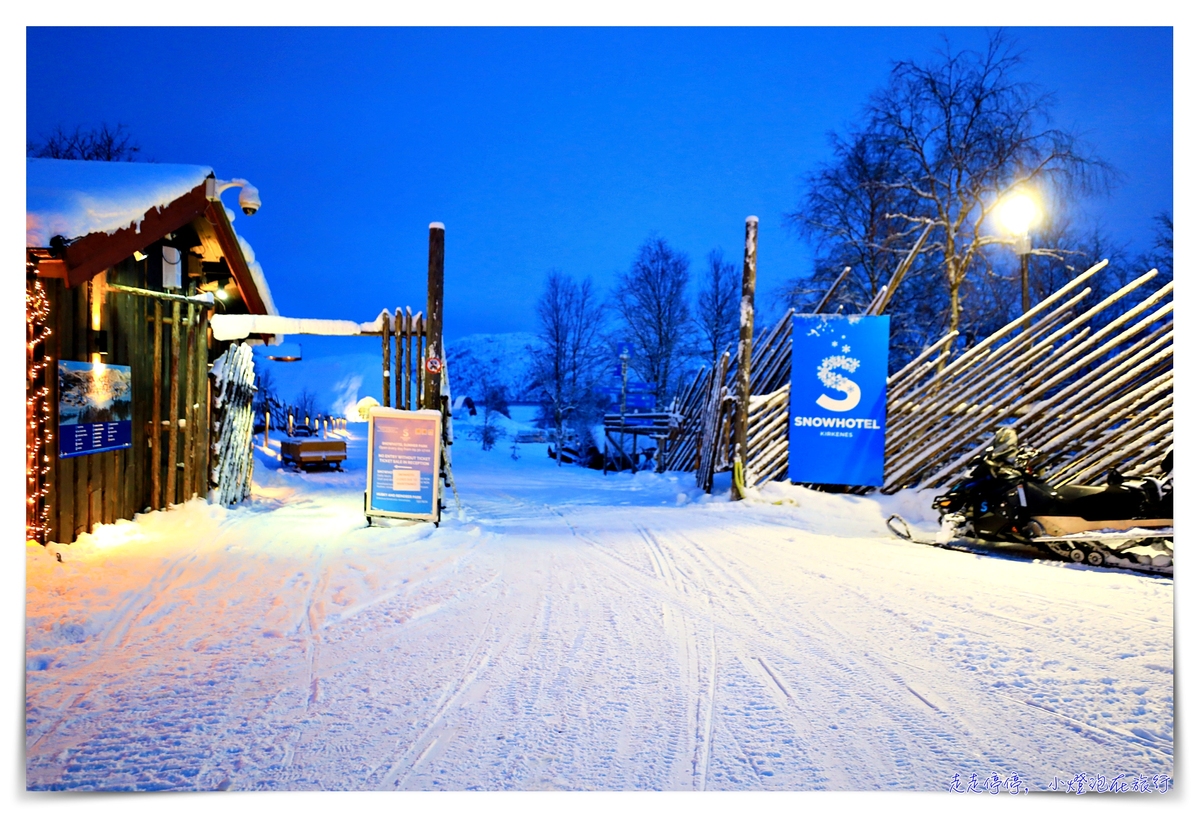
[405, 342]
[1090, 397]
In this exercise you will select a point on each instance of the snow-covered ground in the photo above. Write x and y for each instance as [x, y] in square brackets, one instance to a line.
[569, 630]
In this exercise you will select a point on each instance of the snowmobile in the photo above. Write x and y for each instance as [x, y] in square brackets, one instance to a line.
[1003, 501]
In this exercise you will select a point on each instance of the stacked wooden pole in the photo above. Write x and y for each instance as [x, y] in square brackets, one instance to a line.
[714, 439]
[683, 449]
[1091, 397]
[233, 425]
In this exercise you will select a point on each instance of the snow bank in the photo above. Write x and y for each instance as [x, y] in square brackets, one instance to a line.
[848, 514]
[71, 198]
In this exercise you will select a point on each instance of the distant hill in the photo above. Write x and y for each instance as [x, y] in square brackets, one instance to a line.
[501, 357]
[340, 381]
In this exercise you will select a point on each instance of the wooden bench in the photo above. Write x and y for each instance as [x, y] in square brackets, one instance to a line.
[304, 451]
[657, 426]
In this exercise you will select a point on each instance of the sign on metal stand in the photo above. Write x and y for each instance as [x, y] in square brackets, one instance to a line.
[838, 399]
[404, 449]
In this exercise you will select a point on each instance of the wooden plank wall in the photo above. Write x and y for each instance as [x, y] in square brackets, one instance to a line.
[108, 486]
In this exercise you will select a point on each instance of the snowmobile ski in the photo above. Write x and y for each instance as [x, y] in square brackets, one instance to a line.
[1089, 550]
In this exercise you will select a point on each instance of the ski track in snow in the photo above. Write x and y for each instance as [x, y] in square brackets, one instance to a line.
[577, 631]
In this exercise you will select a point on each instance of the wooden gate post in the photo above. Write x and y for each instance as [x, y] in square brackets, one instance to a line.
[173, 408]
[745, 350]
[387, 358]
[433, 320]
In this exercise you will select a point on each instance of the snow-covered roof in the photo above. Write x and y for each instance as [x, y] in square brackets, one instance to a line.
[72, 198]
[260, 278]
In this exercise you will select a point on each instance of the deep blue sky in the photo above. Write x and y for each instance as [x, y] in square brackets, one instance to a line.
[544, 148]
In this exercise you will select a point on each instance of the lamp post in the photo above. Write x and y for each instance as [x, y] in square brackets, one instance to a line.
[624, 382]
[1018, 213]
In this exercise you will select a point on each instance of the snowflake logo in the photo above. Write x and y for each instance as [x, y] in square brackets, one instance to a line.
[837, 381]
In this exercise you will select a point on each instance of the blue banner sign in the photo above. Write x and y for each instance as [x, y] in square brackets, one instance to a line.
[838, 400]
[95, 408]
[405, 462]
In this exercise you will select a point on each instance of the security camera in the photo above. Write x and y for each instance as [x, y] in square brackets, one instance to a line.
[249, 200]
[248, 197]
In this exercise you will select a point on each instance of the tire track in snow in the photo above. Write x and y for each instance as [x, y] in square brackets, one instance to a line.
[423, 744]
[946, 739]
[684, 630]
[681, 624]
[310, 627]
[118, 635]
[751, 600]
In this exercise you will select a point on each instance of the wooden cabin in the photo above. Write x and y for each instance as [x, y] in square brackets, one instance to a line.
[125, 265]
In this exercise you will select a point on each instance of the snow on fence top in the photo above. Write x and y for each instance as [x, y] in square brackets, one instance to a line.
[72, 198]
[236, 327]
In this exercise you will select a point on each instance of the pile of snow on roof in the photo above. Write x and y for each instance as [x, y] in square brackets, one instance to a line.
[72, 198]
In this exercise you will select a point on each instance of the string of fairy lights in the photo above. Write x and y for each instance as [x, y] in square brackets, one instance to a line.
[37, 407]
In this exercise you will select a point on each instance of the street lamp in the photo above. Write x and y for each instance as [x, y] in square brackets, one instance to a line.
[1018, 213]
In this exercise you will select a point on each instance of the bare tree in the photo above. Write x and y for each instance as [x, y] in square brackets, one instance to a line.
[495, 402]
[964, 133]
[651, 300]
[306, 406]
[266, 400]
[568, 359]
[717, 306]
[845, 215]
[1162, 253]
[102, 144]
[941, 143]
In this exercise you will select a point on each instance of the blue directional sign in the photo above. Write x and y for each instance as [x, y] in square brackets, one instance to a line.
[633, 400]
[838, 399]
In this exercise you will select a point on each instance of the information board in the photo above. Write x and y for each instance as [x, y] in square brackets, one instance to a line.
[838, 399]
[95, 408]
[405, 461]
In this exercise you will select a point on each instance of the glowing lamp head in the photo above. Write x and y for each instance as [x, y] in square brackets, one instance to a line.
[1018, 213]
